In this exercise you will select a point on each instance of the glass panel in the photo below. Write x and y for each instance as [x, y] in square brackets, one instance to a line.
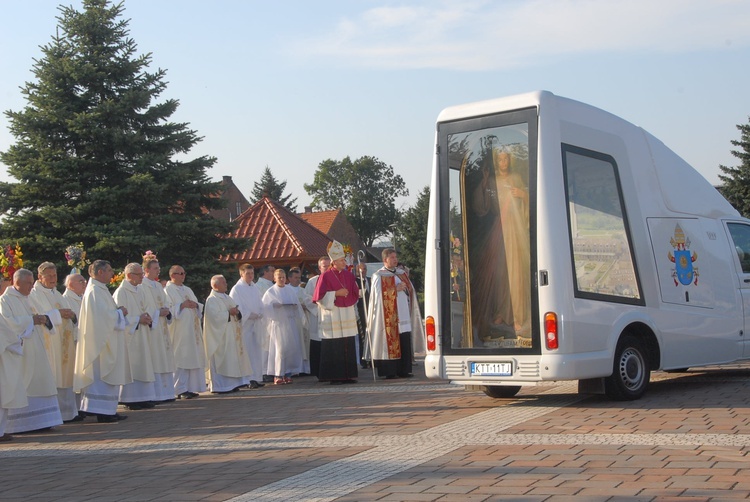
[601, 250]
[490, 240]
[741, 237]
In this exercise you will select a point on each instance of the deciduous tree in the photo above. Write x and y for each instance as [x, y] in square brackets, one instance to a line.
[365, 190]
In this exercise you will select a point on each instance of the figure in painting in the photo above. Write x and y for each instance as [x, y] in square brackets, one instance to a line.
[500, 291]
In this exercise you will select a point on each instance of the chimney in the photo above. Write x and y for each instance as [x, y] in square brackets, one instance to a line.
[308, 209]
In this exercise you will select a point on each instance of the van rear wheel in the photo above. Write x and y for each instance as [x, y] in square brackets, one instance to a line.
[501, 391]
[630, 372]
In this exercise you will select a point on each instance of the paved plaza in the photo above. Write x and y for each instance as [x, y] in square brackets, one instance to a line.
[403, 440]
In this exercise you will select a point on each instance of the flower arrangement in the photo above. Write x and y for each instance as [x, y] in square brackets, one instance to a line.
[11, 259]
[75, 254]
[114, 283]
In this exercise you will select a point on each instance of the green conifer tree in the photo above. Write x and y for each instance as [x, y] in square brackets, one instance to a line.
[736, 180]
[95, 156]
[268, 185]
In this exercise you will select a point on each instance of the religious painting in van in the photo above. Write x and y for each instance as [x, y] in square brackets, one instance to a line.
[490, 238]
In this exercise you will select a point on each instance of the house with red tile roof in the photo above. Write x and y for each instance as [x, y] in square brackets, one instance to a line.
[335, 225]
[280, 238]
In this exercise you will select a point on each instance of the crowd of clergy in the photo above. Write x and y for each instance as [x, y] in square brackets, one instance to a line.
[85, 352]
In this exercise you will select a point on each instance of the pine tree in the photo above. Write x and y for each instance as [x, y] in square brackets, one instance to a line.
[736, 180]
[411, 238]
[270, 187]
[94, 156]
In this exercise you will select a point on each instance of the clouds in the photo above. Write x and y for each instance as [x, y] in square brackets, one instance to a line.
[476, 35]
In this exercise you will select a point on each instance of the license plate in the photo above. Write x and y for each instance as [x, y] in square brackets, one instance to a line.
[492, 369]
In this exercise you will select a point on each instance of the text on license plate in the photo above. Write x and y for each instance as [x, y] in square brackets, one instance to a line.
[492, 369]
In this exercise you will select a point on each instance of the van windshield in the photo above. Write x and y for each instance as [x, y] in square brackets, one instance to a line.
[490, 238]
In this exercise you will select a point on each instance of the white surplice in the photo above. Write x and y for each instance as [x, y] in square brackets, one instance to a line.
[254, 325]
[187, 341]
[229, 366]
[285, 353]
[36, 371]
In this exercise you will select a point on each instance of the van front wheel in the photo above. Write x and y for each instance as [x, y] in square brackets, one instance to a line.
[501, 391]
[630, 372]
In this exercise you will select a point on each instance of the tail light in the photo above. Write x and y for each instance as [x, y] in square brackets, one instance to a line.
[550, 331]
[429, 325]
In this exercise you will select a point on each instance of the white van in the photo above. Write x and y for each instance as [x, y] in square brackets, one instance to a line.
[565, 243]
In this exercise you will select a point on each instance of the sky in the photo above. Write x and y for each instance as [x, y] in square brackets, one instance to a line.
[290, 84]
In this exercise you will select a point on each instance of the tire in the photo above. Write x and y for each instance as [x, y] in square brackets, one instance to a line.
[630, 371]
[501, 391]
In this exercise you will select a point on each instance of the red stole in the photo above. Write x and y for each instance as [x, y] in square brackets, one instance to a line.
[390, 316]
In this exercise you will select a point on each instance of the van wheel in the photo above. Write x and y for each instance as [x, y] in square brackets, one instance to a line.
[501, 391]
[630, 372]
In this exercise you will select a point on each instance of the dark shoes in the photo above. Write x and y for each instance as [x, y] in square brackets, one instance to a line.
[188, 395]
[141, 405]
[109, 419]
[6, 437]
[255, 385]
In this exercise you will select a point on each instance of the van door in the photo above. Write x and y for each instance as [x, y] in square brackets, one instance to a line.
[740, 235]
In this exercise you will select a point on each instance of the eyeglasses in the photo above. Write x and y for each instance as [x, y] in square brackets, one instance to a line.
[178, 273]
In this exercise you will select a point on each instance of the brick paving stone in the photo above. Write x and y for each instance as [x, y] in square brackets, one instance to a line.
[686, 438]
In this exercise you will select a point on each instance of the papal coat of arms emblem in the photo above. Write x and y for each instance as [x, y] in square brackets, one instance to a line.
[683, 259]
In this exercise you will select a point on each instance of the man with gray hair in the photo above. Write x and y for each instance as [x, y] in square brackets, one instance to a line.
[228, 363]
[140, 393]
[102, 364]
[43, 410]
[60, 342]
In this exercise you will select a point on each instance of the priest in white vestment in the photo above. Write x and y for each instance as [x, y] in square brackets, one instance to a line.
[140, 393]
[264, 282]
[294, 280]
[284, 313]
[187, 336]
[75, 286]
[246, 295]
[394, 319]
[158, 306]
[12, 387]
[102, 364]
[225, 350]
[313, 317]
[60, 345]
[38, 377]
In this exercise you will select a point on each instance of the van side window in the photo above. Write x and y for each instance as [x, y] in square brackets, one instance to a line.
[741, 237]
[598, 229]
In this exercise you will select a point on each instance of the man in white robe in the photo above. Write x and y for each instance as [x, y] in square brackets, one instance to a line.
[187, 336]
[294, 280]
[249, 300]
[313, 317]
[394, 319]
[162, 354]
[60, 345]
[284, 314]
[265, 281]
[12, 386]
[37, 374]
[102, 364]
[75, 286]
[138, 394]
[228, 364]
